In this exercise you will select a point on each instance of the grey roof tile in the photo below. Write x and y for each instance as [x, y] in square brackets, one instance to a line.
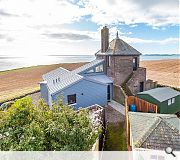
[118, 47]
[155, 131]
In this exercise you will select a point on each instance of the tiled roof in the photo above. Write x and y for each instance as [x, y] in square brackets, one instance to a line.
[161, 93]
[155, 131]
[87, 66]
[118, 47]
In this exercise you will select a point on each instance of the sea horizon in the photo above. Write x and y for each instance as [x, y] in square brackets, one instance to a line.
[9, 62]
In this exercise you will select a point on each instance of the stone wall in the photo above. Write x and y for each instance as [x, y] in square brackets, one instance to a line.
[119, 95]
[134, 82]
[120, 67]
[150, 84]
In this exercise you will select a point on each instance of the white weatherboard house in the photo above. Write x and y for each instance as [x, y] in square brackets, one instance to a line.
[82, 87]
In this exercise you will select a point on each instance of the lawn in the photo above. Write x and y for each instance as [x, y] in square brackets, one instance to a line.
[115, 137]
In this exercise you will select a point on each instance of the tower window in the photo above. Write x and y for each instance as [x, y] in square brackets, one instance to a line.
[108, 61]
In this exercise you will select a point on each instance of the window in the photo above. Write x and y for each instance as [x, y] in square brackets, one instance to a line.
[108, 61]
[71, 98]
[169, 102]
[99, 68]
[173, 100]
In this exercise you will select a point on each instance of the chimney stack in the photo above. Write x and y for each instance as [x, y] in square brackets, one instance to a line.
[104, 39]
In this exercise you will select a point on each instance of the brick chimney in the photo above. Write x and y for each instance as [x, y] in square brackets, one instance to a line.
[104, 39]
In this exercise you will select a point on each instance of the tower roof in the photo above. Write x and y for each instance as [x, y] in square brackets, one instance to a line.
[118, 47]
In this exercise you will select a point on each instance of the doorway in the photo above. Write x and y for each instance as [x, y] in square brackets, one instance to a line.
[109, 93]
[141, 87]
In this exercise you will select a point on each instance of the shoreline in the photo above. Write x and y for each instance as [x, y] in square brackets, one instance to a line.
[8, 70]
[21, 81]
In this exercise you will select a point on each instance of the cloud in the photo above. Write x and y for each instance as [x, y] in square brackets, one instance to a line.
[67, 36]
[165, 41]
[6, 14]
[6, 37]
[150, 12]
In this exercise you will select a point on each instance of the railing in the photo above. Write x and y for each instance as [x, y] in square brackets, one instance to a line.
[141, 105]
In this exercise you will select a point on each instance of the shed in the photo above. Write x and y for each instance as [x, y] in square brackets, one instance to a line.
[166, 98]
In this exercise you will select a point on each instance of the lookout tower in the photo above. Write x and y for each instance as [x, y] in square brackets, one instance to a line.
[122, 62]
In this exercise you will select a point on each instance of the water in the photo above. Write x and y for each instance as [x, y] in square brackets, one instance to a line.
[7, 62]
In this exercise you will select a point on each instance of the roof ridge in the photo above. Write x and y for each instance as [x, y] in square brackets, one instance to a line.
[171, 126]
[160, 120]
[151, 129]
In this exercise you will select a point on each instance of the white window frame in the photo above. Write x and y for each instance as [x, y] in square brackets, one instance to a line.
[172, 100]
[169, 102]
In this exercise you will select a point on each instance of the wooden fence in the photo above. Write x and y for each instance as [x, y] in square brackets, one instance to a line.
[141, 105]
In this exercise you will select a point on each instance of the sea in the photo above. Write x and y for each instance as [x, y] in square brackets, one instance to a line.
[10, 62]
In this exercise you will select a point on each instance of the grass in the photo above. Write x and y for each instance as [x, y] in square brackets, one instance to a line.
[19, 93]
[115, 137]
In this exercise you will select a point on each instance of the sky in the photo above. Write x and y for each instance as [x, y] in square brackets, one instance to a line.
[72, 27]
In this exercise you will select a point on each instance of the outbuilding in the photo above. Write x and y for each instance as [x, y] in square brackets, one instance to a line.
[166, 98]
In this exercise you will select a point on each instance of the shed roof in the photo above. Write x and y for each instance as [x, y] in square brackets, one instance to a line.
[118, 47]
[155, 131]
[161, 93]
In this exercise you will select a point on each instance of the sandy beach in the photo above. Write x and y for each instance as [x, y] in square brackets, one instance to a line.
[18, 82]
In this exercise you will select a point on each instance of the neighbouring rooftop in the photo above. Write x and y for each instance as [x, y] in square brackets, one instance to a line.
[155, 131]
[161, 93]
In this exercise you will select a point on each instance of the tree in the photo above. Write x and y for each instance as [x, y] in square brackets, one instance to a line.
[28, 127]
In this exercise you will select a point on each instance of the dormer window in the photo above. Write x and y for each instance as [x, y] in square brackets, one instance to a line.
[99, 68]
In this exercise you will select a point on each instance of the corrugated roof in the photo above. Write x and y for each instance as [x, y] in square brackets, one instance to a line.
[87, 66]
[161, 93]
[57, 73]
[100, 78]
[118, 47]
[61, 78]
[155, 131]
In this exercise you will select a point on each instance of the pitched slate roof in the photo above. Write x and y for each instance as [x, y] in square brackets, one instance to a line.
[118, 47]
[87, 66]
[61, 78]
[161, 93]
[155, 131]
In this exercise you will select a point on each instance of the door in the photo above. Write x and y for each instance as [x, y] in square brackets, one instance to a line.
[109, 93]
[141, 87]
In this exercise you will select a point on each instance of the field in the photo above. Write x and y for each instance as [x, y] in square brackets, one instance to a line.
[15, 83]
[19, 82]
[166, 72]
